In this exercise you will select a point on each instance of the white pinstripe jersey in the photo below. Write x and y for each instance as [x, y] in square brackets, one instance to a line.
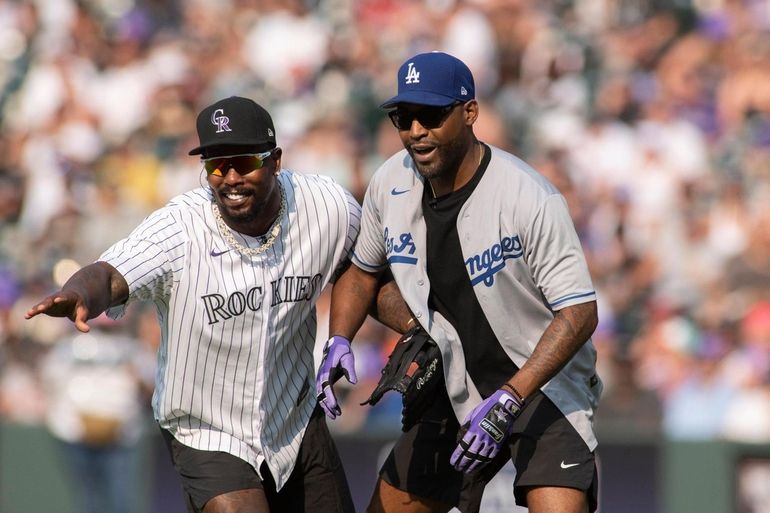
[235, 363]
[523, 258]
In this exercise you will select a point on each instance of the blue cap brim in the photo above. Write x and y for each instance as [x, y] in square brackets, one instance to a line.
[419, 98]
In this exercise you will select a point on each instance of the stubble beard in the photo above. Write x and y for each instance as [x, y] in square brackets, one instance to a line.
[450, 156]
[240, 217]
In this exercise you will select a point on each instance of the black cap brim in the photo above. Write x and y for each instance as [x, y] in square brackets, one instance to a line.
[249, 145]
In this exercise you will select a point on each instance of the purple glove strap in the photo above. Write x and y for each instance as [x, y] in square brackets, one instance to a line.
[337, 359]
[488, 426]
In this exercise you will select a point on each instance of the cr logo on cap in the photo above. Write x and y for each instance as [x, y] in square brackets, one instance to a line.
[219, 120]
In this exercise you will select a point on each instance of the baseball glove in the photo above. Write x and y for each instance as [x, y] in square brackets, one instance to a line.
[414, 369]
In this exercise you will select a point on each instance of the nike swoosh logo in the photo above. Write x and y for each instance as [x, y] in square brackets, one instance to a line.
[216, 253]
[568, 465]
[394, 192]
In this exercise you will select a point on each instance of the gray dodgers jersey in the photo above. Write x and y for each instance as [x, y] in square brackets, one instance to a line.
[235, 363]
[523, 258]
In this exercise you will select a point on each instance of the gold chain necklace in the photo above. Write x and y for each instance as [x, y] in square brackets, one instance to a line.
[275, 229]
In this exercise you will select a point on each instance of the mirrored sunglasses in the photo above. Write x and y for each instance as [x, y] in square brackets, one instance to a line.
[243, 164]
[429, 117]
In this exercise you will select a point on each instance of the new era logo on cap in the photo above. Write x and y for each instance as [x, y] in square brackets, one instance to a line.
[235, 121]
[433, 78]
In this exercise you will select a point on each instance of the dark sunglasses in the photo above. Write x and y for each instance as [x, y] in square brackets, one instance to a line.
[243, 164]
[429, 117]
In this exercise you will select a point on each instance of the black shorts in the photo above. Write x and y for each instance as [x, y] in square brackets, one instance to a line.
[317, 482]
[544, 447]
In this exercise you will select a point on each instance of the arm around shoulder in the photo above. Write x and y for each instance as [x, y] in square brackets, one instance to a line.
[390, 308]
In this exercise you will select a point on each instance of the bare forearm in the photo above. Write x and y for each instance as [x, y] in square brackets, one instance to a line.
[88, 293]
[352, 295]
[570, 329]
[100, 285]
[390, 308]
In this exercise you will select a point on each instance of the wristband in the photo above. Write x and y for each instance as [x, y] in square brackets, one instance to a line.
[513, 391]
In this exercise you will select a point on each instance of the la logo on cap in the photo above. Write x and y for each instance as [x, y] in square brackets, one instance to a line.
[412, 75]
[219, 120]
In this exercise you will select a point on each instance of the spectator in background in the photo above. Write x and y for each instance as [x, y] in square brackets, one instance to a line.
[748, 364]
[748, 272]
[693, 408]
[98, 407]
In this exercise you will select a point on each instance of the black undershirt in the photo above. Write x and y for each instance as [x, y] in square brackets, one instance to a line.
[451, 293]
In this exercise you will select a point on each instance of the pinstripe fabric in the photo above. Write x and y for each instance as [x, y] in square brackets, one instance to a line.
[235, 364]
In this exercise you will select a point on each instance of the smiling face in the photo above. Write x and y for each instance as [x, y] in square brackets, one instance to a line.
[439, 149]
[246, 189]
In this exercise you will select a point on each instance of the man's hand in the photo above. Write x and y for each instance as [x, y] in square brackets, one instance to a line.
[485, 430]
[64, 303]
[337, 360]
[88, 293]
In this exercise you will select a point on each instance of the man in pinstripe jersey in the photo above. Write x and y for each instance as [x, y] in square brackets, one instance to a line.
[485, 253]
[234, 270]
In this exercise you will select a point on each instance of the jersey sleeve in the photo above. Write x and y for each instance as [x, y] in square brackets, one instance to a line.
[556, 257]
[145, 258]
[354, 223]
[353, 228]
[369, 251]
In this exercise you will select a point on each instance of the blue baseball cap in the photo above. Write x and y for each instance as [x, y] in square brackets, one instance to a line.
[433, 78]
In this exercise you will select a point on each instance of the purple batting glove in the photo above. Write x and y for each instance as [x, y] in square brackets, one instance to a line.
[337, 360]
[485, 431]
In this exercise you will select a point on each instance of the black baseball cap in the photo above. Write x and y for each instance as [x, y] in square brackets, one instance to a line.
[234, 121]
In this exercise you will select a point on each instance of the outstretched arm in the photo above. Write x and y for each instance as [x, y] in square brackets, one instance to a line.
[88, 293]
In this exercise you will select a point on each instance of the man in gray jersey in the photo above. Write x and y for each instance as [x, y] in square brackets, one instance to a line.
[486, 256]
[235, 269]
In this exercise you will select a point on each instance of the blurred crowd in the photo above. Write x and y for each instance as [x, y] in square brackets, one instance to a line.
[652, 117]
